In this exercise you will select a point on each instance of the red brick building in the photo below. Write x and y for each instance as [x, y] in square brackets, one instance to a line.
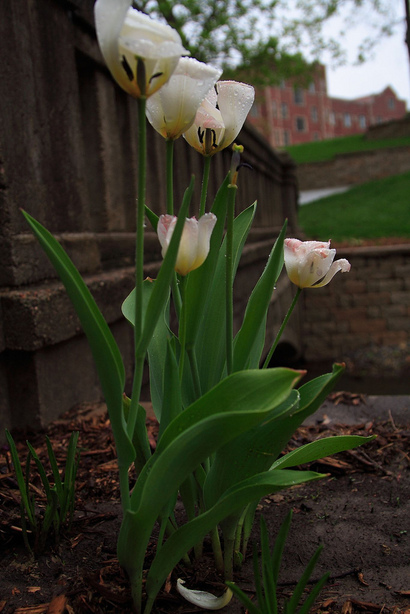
[289, 114]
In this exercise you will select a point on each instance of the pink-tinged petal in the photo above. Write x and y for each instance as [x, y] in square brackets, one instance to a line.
[315, 266]
[188, 247]
[165, 228]
[234, 101]
[342, 265]
[206, 225]
[309, 263]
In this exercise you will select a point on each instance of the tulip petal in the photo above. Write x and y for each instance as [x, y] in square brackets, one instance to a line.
[187, 247]
[205, 227]
[234, 101]
[342, 265]
[314, 266]
[109, 18]
[202, 599]
[172, 110]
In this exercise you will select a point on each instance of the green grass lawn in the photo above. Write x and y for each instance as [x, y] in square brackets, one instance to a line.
[325, 150]
[368, 211]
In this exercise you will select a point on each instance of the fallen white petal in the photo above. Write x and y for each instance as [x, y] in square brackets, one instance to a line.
[202, 599]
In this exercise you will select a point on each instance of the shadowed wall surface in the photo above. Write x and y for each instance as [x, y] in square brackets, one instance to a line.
[68, 157]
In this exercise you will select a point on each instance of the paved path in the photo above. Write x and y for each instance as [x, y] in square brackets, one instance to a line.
[308, 196]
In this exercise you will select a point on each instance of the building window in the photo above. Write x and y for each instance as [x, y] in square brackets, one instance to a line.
[362, 121]
[347, 120]
[274, 109]
[379, 119]
[390, 103]
[282, 84]
[300, 124]
[284, 110]
[332, 118]
[313, 114]
[312, 87]
[298, 95]
[286, 137]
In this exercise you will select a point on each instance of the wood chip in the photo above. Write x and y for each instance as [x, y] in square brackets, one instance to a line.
[57, 605]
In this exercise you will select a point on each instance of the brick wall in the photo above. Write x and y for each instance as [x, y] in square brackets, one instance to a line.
[368, 306]
[354, 168]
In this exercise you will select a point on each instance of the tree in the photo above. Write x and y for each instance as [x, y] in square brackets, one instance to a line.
[265, 38]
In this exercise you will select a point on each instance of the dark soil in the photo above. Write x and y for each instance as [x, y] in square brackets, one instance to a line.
[360, 513]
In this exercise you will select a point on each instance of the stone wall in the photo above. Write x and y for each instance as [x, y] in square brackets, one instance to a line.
[354, 168]
[368, 306]
[68, 157]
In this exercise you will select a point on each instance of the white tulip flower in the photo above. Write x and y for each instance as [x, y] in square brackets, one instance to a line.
[195, 240]
[309, 264]
[220, 117]
[172, 109]
[141, 53]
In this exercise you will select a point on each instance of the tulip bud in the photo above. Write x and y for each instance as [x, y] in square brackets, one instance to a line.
[309, 264]
[195, 240]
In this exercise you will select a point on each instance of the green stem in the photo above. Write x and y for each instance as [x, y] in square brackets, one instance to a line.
[282, 328]
[205, 181]
[194, 371]
[139, 264]
[217, 550]
[170, 176]
[182, 329]
[229, 277]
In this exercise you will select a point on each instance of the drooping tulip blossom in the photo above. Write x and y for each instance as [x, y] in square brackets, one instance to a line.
[311, 264]
[194, 245]
[172, 109]
[141, 53]
[220, 117]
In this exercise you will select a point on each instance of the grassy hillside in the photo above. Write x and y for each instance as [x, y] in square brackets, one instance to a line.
[325, 150]
[368, 211]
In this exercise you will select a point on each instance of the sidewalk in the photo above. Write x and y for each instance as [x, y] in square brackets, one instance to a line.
[308, 196]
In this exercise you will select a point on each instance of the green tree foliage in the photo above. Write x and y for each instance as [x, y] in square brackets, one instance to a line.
[268, 40]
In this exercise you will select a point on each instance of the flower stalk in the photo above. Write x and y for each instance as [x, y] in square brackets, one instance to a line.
[282, 328]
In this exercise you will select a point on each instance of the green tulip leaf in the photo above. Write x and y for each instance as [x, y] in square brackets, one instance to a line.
[233, 500]
[211, 356]
[319, 449]
[233, 406]
[250, 340]
[104, 349]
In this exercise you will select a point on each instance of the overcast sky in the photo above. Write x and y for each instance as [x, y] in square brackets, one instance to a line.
[390, 66]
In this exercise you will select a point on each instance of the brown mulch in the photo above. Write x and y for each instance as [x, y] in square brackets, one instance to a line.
[359, 512]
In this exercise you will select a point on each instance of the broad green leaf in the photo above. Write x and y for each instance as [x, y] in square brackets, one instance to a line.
[233, 406]
[153, 217]
[210, 341]
[172, 398]
[157, 347]
[248, 454]
[105, 351]
[250, 339]
[233, 500]
[319, 449]
[200, 280]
